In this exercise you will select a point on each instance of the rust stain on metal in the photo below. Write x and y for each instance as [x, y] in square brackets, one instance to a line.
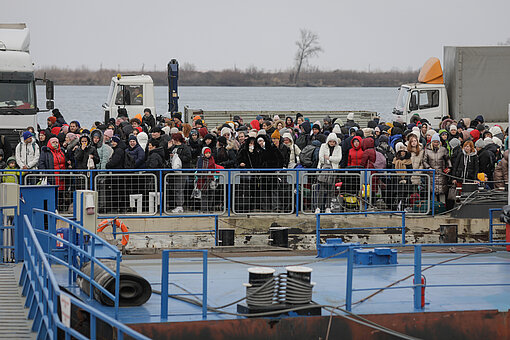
[487, 324]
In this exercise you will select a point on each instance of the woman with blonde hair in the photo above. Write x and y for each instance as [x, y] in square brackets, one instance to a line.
[413, 146]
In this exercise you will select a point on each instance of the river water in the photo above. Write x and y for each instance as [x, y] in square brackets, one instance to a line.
[83, 103]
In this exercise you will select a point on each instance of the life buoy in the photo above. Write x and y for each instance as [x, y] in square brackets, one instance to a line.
[118, 224]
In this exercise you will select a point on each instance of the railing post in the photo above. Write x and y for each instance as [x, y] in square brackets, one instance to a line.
[229, 192]
[160, 186]
[490, 225]
[204, 285]
[433, 200]
[403, 227]
[164, 284]
[365, 189]
[117, 286]
[317, 231]
[216, 230]
[417, 277]
[297, 193]
[348, 288]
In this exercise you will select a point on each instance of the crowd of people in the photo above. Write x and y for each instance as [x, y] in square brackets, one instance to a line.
[459, 151]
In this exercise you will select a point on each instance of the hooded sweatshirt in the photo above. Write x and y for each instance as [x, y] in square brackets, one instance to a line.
[104, 151]
[334, 153]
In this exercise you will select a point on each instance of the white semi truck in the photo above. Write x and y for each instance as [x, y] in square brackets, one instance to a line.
[18, 98]
[476, 80]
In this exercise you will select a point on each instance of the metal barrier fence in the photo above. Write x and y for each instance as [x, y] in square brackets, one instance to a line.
[152, 192]
[66, 183]
[44, 297]
[8, 234]
[127, 193]
[257, 193]
[417, 282]
[165, 272]
[319, 229]
[195, 192]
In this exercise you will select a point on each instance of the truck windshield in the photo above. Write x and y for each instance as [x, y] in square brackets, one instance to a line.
[17, 95]
[403, 93]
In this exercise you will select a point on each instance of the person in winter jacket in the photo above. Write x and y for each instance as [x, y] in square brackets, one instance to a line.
[355, 153]
[304, 138]
[501, 173]
[84, 152]
[444, 141]
[225, 154]
[177, 146]
[53, 158]
[270, 156]
[27, 152]
[117, 159]
[487, 158]
[284, 149]
[456, 149]
[156, 155]
[369, 155]
[11, 165]
[148, 119]
[136, 152]
[466, 166]
[294, 150]
[194, 143]
[330, 153]
[416, 151]
[249, 155]
[386, 150]
[436, 157]
[104, 151]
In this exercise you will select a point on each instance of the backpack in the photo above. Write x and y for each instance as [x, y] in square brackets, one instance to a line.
[306, 156]
[380, 160]
[129, 161]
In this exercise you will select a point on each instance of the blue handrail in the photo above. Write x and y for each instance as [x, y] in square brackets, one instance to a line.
[418, 264]
[40, 284]
[165, 264]
[80, 249]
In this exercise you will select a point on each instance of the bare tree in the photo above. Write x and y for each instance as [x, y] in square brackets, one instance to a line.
[308, 46]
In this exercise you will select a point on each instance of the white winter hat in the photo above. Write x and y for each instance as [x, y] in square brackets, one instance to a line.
[400, 147]
[495, 130]
[226, 130]
[350, 116]
[497, 141]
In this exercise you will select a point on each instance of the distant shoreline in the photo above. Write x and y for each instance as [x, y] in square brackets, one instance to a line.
[238, 78]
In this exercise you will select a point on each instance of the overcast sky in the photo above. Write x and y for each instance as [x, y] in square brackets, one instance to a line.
[214, 35]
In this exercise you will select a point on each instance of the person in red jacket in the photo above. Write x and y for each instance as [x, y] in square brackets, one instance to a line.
[368, 158]
[355, 153]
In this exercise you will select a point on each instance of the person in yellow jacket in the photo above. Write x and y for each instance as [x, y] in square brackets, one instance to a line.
[11, 176]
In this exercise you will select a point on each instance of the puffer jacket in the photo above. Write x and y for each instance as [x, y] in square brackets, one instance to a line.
[417, 163]
[466, 165]
[368, 158]
[104, 151]
[27, 155]
[82, 156]
[335, 157]
[501, 172]
[439, 161]
[355, 154]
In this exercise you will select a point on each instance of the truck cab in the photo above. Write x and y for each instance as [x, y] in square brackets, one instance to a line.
[18, 101]
[132, 92]
[427, 98]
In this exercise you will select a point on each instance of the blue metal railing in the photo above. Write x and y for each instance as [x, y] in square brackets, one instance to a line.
[492, 225]
[8, 251]
[82, 244]
[417, 270]
[297, 186]
[209, 231]
[43, 293]
[165, 272]
[319, 229]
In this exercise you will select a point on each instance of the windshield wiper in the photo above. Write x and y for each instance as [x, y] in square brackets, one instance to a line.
[10, 108]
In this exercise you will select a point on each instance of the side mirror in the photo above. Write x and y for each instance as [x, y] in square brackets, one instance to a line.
[50, 90]
[50, 105]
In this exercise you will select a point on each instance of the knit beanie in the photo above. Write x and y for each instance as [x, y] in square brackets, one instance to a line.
[108, 133]
[52, 119]
[72, 136]
[27, 134]
[454, 143]
[276, 134]
[453, 127]
[435, 137]
[400, 147]
[479, 143]
[116, 139]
